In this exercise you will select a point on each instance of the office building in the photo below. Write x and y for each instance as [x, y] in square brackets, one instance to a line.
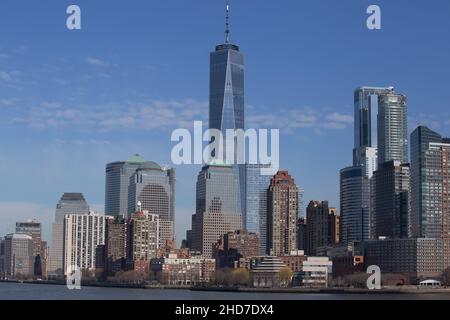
[154, 188]
[118, 175]
[18, 256]
[302, 234]
[34, 229]
[255, 214]
[391, 200]
[215, 207]
[282, 215]
[70, 203]
[317, 271]
[226, 102]
[355, 204]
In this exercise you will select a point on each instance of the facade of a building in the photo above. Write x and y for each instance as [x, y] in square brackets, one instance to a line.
[83, 233]
[117, 182]
[392, 128]
[282, 204]
[226, 104]
[154, 188]
[18, 255]
[302, 234]
[34, 229]
[234, 246]
[265, 272]
[215, 207]
[116, 245]
[355, 204]
[70, 203]
[255, 214]
[317, 271]
[391, 200]
[143, 240]
[185, 271]
[318, 227]
[417, 258]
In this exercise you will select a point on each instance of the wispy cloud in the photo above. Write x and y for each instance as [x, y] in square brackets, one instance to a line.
[96, 62]
[5, 76]
[300, 118]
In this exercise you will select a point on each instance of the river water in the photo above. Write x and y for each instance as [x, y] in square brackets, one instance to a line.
[22, 291]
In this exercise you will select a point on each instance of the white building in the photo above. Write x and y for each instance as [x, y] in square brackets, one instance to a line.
[316, 271]
[82, 234]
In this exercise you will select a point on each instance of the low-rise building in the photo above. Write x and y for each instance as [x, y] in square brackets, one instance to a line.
[316, 271]
[265, 272]
[184, 271]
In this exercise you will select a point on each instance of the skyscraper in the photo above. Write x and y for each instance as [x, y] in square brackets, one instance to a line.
[255, 213]
[366, 108]
[70, 203]
[392, 128]
[18, 258]
[83, 233]
[215, 207]
[282, 203]
[430, 176]
[421, 138]
[355, 204]
[118, 176]
[226, 99]
[391, 202]
[154, 188]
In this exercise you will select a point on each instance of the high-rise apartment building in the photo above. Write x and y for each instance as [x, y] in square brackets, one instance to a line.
[255, 214]
[282, 215]
[83, 233]
[322, 227]
[143, 239]
[215, 207]
[429, 183]
[116, 245]
[392, 128]
[70, 203]
[391, 202]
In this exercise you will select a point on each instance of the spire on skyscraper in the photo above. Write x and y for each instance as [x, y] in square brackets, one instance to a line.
[227, 21]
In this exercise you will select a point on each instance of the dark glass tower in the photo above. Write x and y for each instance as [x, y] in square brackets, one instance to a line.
[226, 98]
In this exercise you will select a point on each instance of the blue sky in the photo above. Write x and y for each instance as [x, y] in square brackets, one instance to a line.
[72, 101]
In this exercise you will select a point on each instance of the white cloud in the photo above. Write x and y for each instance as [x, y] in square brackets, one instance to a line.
[5, 76]
[96, 62]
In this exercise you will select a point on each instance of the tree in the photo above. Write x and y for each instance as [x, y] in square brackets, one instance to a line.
[285, 276]
[240, 277]
[223, 277]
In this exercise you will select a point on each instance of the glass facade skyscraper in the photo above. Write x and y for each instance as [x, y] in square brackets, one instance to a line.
[226, 102]
[392, 128]
[255, 214]
[430, 214]
[118, 176]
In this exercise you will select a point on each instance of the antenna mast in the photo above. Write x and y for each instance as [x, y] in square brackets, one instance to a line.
[227, 21]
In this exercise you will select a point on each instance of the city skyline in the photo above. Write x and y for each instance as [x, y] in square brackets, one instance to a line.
[38, 119]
